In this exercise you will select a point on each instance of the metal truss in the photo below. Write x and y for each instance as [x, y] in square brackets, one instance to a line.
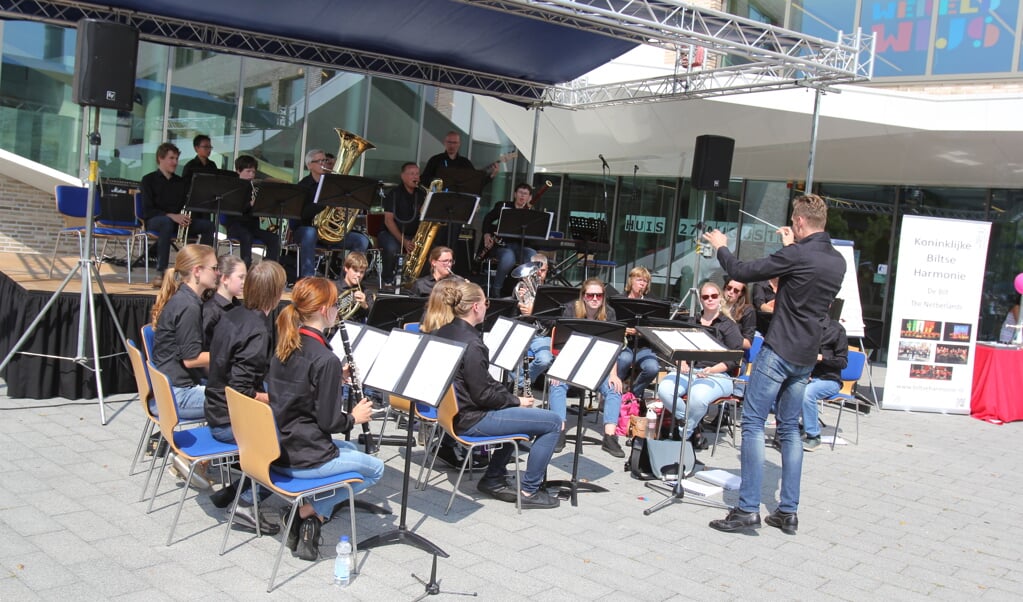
[166, 30]
[778, 58]
[912, 209]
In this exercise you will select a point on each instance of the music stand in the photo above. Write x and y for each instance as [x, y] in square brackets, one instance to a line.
[523, 224]
[419, 368]
[499, 308]
[470, 181]
[584, 360]
[219, 194]
[450, 207]
[550, 300]
[277, 200]
[507, 342]
[352, 192]
[638, 312]
[684, 345]
[588, 230]
[394, 311]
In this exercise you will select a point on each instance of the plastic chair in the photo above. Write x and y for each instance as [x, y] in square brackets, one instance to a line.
[145, 389]
[851, 375]
[191, 445]
[733, 402]
[72, 205]
[256, 433]
[446, 413]
[148, 337]
[147, 236]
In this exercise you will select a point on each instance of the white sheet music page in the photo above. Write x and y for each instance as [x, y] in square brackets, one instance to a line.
[368, 349]
[594, 368]
[398, 349]
[519, 338]
[493, 337]
[570, 355]
[429, 380]
[691, 340]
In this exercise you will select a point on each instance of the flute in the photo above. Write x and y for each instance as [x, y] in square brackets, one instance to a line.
[356, 388]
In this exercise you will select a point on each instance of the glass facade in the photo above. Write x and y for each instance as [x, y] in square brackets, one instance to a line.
[276, 111]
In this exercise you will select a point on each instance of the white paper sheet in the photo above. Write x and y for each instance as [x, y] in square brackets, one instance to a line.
[493, 337]
[429, 380]
[570, 355]
[515, 346]
[398, 350]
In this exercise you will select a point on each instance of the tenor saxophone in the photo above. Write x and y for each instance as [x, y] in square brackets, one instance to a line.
[422, 242]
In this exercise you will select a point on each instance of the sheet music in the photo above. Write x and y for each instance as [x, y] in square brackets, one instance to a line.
[398, 349]
[428, 382]
[570, 355]
[495, 335]
[694, 340]
[515, 346]
[367, 350]
[594, 370]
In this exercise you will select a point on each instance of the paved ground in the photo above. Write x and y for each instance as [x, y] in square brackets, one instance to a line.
[926, 506]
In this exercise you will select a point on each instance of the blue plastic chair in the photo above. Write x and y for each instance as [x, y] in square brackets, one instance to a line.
[193, 445]
[733, 402]
[73, 205]
[256, 433]
[851, 375]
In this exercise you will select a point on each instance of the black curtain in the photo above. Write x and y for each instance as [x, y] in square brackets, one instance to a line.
[31, 377]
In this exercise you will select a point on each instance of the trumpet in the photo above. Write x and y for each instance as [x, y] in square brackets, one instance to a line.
[182, 238]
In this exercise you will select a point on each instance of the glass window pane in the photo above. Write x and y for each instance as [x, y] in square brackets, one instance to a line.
[975, 37]
[903, 39]
[271, 125]
[1004, 262]
[822, 18]
[204, 100]
[395, 112]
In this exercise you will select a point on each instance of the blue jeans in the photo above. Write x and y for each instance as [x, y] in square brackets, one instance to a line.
[305, 238]
[540, 347]
[246, 235]
[612, 401]
[167, 230]
[543, 425]
[648, 364]
[705, 391]
[349, 459]
[191, 402]
[507, 257]
[389, 250]
[816, 390]
[773, 380]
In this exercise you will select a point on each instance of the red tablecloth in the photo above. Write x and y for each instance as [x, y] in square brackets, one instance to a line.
[997, 384]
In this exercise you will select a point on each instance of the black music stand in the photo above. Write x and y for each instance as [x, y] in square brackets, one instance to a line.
[219, 194]
[684, 345]
[409, 374]
[602, 342]
[394, 311]
[469, 181]
[278, 200]
[499, 308]
[588, 230]
[638, 312]
[450, 208]
[550, 300]
[522, 224]
[352, 192]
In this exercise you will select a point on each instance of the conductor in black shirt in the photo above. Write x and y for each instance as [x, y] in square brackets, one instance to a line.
[810, 273]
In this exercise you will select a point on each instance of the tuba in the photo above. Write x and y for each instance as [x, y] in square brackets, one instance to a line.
[422, 242]
[333, 223]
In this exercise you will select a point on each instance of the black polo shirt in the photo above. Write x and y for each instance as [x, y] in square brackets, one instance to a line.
[161, 195]
[405, 206]
[834, 352]
[810, 274]
[178, 337]
[239, 358]
[212, 311]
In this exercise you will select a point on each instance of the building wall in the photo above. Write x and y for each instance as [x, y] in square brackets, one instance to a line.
[30, 220]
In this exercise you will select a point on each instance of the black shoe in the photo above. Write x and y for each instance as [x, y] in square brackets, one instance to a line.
[296, 526]
[450, 456]
[560, 445]
[223, 497]
[480, 459]
[737, 520]
[499, 489]
[788, 522]
[308, 547]
[611, 446]
[540, 499]
[699, 442]
[244, 518]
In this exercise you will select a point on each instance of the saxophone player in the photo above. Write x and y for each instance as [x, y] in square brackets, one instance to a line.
[163, 198]
[305, 235]
[401, 218]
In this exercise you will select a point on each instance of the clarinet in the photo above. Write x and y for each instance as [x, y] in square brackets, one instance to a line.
[356, 388]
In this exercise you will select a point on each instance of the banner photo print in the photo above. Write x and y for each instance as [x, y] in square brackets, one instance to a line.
[934, 314]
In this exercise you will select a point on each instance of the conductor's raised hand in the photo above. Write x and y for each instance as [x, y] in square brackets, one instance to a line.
[716, 238]
[787, 236]
[363, 411]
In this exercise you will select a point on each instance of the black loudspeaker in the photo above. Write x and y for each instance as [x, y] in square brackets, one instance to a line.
[712, 162]
[105, 59]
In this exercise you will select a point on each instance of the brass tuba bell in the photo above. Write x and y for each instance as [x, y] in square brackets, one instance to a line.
[333, 223]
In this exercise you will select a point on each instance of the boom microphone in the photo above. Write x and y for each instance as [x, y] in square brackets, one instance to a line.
[604, 161]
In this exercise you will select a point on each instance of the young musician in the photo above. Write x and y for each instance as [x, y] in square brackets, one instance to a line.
[540, 346]
[637, 285]
[710, 380]
[351, 280]
[738, 306]
[239, 358]
[485, 408]
[245, 228]
[304, 385]
[512, 253]
[232, 274]
[442, 259]
[593, 306]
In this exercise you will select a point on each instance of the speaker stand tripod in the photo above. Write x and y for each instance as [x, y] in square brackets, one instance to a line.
[89, 273]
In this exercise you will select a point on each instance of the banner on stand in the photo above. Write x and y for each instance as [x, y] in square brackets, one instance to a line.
[934, 314]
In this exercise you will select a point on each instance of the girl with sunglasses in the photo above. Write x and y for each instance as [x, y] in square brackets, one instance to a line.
[710, 380]
[592, 305]
[737, 303]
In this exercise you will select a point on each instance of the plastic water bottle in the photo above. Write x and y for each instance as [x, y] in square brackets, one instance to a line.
[343, 562]
[651, 424]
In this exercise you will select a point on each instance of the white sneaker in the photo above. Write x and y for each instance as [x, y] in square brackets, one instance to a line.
[179, 470]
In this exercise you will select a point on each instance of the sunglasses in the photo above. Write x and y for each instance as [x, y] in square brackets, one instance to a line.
[709, 297]
[593, 295]
[733, 289]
